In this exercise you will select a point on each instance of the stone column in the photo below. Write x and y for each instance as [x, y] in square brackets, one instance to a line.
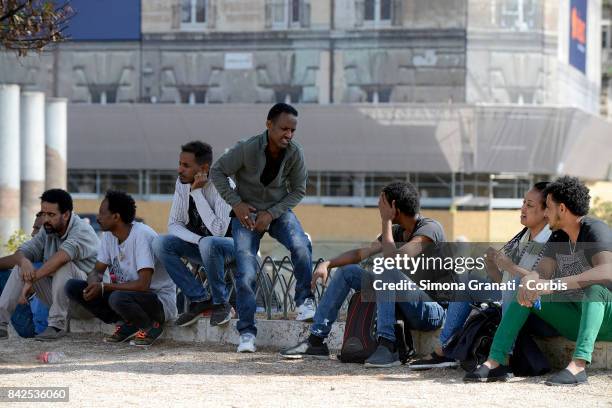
[32, 156]
[9, 162]
[56, 135]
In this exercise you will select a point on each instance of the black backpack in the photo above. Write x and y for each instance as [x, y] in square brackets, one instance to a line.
[359, 341]
[472, 344]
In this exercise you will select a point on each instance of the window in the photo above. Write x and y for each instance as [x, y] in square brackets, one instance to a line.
[286, 13]
[510, 187]
[519, 14]
[312, 185]
[193, 96]
[433, 185]
[295, 11]
[375, 182]
[377, 10]
[379, 95]
[288, 95]
[476, 184]
[161, 181]
[605, 33]
[82, 181]
[127, 180]
[103, 95]
[337, 184]
[193, 13]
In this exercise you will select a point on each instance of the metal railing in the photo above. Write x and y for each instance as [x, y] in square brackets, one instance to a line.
[275, 286]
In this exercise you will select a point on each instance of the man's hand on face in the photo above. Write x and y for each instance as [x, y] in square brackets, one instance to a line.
[387, 210]
[262, 221]
[199, 180]
[243, 213]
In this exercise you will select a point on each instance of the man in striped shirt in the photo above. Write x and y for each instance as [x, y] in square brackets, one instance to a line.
[198, 231]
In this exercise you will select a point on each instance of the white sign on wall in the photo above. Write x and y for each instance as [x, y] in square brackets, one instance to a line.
[238, 60]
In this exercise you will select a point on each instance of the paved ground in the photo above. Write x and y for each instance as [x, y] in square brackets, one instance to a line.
[202, 375]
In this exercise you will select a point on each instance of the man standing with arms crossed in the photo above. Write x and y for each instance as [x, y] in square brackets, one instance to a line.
[270, 176]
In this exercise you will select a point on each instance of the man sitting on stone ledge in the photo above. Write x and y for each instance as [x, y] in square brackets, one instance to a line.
[67, 247]
[404, 231]
[198, 231]
[578, 256]
[140, 294]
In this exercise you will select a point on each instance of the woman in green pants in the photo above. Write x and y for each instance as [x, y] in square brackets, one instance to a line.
[578, 257]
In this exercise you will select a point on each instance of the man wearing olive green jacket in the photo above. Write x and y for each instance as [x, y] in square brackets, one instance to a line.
[270, 176]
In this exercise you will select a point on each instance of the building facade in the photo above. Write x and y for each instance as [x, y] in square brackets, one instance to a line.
[502, 53]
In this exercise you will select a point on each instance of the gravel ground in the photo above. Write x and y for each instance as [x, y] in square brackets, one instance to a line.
[176, 374]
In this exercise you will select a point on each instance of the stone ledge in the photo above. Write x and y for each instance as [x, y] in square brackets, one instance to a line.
[270, 333]
[285, 333]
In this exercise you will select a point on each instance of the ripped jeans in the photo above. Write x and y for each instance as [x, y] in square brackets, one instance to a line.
[287, 230]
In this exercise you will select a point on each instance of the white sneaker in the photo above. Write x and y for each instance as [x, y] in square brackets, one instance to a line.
[247, 343]
[306, 311]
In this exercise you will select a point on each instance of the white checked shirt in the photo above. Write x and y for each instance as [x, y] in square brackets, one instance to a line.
[213, 210]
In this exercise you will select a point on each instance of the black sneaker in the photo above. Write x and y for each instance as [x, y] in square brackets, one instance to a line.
[485, 374]
[3, 333]
[306, 350]
[433, 361]
[565, 378]
[195, 310]
[383, 358]
[123, 332]
[221, 315]
[148, 336]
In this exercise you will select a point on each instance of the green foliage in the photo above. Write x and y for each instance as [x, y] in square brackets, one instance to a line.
[15, 240]
[602, 210]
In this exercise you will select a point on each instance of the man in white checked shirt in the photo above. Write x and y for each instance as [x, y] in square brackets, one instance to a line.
[198, 231]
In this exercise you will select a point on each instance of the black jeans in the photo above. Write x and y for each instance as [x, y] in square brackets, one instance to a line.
[138, 308]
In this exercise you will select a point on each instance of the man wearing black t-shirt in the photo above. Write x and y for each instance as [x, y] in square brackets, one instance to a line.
[578, 258]
[404, 231]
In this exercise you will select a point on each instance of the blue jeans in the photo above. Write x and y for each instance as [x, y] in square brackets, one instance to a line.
[419, 315]
[419, 312]
[287, 230]
[30, 319]
[213, 253]
[338, 287]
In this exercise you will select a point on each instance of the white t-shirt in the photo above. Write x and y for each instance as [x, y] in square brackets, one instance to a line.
[135, 253]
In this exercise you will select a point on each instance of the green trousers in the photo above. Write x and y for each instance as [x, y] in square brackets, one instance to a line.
[583, 322]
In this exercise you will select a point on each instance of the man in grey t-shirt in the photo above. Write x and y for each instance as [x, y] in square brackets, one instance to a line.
[404, 232]
[67, 246]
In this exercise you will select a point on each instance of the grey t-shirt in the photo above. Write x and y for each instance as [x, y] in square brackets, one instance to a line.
[426, 227]
[79, 241]
[135, 253]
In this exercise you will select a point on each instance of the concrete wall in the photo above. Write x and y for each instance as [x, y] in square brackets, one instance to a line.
[157, 15]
